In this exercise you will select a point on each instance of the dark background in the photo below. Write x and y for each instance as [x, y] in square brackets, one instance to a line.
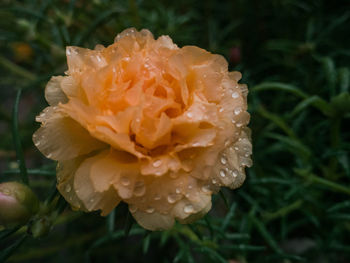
[294, 56]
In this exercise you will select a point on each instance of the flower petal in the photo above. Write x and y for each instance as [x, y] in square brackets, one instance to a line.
[65, 181]
[86, 191]
[53, 91]
[154, 221]
[62, 138]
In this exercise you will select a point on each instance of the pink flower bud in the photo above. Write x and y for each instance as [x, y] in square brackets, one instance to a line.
[17, 203]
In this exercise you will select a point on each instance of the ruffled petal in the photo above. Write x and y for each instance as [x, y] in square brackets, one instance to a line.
[65, 181]
[53, 91]
[107, 198]
[153, 221]
[62, 138]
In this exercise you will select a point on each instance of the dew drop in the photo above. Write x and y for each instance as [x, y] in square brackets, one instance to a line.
[37, 143]
[206, 188]
[49, 155]
[234, 174]
[238, 125]
[68, 188]
[189, 114]
[187, 195]
[188, 209]
[223, 160]
[150, 210]
[214, 181]
[177, 190]
[139, 189]
[157, 197]
[235, 95]
[222, 173]
[221, 110]
[171, 198]
[92, 200]
[237, 111]
[125, 181]
[236, 148]
[157, 163]
[190, 186]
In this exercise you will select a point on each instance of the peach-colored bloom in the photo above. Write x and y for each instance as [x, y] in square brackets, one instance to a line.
[144, 122]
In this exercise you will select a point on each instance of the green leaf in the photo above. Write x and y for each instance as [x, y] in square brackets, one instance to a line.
[110, 221]
[212, 253]
[266, 234]
[17, 140]
[146, 243]
[102, 18]
[292, 145]
[277, 120]
[228, 217]
[8, 232]
[7, 252]
[344, 79]
[279, 87]
[341, 103]
[317, 103]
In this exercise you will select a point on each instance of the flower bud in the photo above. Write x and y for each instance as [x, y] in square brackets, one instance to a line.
[17, 203]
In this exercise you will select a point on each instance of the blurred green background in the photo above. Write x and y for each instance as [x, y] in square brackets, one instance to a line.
[294, 56]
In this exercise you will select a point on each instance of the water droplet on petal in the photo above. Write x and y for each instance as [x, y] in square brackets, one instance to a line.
[125, 181]
[235, 95]
[171, 198]
[157, 197]
[206, 188]
[214, 181]
[222, 173]
[189, 114]
[68, 188]
[237, 111]
[157, 163]
[139, 189]
[234, 174]
[150, 210]
[190, 186]
[223, 160]
[177, 190]
[188, 209]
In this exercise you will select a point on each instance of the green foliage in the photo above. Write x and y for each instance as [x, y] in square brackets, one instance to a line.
[294, 56]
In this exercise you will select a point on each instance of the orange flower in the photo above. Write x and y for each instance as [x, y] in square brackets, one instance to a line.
[145, 122]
